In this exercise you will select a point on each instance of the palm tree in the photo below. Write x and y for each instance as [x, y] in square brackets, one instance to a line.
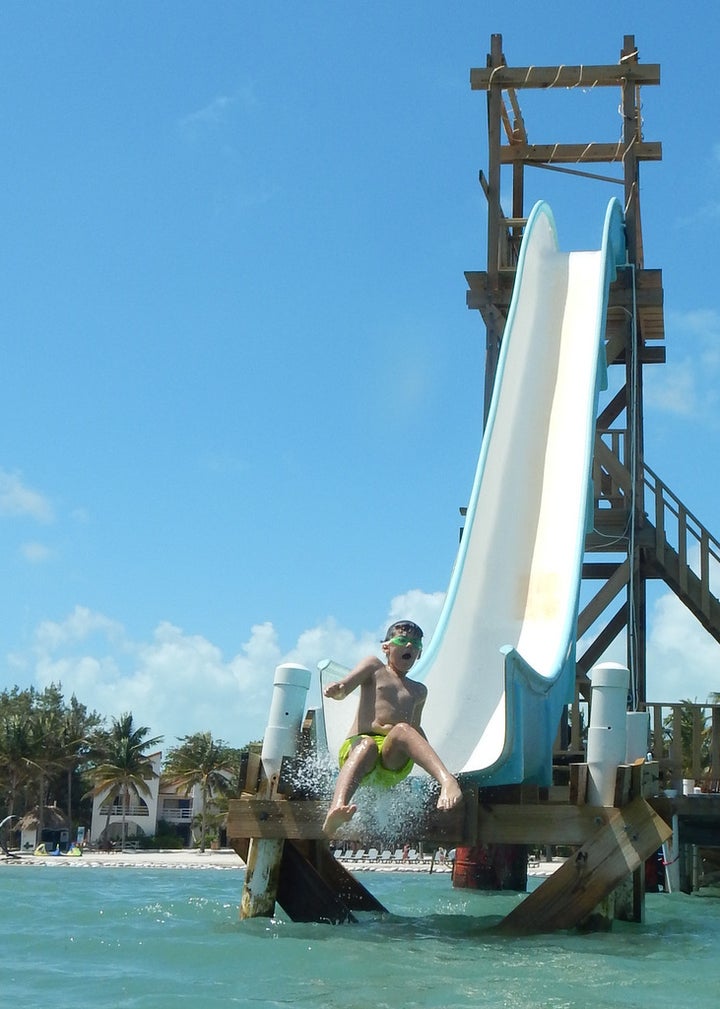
[123, 764]
[201, 760]
[77, 724]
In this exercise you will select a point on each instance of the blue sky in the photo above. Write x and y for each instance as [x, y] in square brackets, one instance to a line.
[242, 396]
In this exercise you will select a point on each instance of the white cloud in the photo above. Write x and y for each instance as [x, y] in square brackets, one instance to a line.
[688, 389]
[683, 660]
[217, 110]
[81, 624]
[35, 553]
[178, 683]
[16, 499]
[674, 390]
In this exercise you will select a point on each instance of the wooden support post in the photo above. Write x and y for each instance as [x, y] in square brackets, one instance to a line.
[568, 896]
[262, 871]
[262, 874]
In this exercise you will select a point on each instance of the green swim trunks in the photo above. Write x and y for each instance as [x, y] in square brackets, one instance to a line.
[381, 776]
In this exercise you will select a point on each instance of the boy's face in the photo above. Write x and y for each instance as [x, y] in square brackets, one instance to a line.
[402, 650]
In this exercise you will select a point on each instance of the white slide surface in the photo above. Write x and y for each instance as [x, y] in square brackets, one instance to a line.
[501, 663]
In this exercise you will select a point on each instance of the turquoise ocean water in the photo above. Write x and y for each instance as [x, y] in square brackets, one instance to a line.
[108, 938]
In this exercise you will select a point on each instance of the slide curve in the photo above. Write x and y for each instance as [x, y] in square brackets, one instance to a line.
[501, 663]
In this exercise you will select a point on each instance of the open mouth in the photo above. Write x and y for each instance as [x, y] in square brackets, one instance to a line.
[407, 655]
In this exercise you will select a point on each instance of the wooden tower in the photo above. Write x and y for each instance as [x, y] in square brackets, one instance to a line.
[641, 529]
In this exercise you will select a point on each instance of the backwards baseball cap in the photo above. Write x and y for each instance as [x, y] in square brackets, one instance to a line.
[404, 627]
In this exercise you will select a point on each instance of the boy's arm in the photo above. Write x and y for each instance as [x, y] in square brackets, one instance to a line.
[363, 671]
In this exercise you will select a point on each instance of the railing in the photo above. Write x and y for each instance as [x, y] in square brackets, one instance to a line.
[118, 809]
[685, 740]
[174, 814]
[677, 527]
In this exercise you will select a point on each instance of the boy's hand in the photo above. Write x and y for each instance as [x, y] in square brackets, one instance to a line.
[335, 691]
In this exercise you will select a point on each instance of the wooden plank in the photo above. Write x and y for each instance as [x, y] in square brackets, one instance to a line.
[544, 823]
[601, 600]
[512, 823]
[578, 784]
[309, 892]
[276, 818]
[587, 76]
[619, 847]
[337, 876]
[302, 820]
[578, 154]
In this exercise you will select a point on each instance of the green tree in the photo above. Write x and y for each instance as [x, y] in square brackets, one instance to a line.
[76, 729]
[694, 735]
[123, 765]
[15, 749]
[201, 761]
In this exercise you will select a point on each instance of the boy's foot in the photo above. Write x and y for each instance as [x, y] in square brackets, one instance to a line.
[450, 795]
[336, 817]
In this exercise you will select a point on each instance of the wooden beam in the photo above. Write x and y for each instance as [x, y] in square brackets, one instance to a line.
[575, 154]
[302, 820]
[596, 649]
[313, 886]
[620, 846]
[276, 818]
[482, 78]
[540, 824]
[602, 599]
[501, 823]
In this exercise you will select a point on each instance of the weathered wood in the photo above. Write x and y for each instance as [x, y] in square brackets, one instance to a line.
[469, 824]
[262, 873]
[544, 823]
[335, 875]
[576, 154]
[578, 784]
[313, 886]
[302, 820]
[586, 76]
[617, 848]
[276, 818]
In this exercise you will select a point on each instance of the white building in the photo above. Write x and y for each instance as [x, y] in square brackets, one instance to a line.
[142, 816]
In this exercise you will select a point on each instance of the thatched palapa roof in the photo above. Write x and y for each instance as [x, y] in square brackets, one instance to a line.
[53, 817]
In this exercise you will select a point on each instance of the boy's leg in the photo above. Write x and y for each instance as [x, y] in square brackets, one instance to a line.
[404, 742]
[360, 761]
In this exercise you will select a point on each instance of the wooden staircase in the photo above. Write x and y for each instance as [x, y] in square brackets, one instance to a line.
[683, 553]
[669, 541]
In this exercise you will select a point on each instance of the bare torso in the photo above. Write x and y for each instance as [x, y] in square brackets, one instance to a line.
[386, 699]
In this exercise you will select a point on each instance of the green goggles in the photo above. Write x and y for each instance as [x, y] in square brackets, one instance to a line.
[402, 641]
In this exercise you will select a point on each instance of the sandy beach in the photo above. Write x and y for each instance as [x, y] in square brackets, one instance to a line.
[186, 858]
[225, 858]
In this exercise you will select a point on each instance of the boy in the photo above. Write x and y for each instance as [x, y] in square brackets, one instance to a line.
[386, 739]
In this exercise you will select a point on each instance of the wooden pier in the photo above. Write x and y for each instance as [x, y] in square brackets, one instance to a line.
[609, 844]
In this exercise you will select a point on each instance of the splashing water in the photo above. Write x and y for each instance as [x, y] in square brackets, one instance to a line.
[385, 816]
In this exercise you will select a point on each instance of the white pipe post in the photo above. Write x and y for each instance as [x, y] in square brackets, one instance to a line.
[290, 688]
[607, 730]
[637, 724]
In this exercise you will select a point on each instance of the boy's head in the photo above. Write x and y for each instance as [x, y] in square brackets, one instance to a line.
[404, 628]
[403, 645]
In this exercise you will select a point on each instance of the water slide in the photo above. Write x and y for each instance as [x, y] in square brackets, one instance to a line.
[501, 663]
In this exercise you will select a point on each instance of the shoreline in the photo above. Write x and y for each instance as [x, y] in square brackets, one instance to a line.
[224, 858]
